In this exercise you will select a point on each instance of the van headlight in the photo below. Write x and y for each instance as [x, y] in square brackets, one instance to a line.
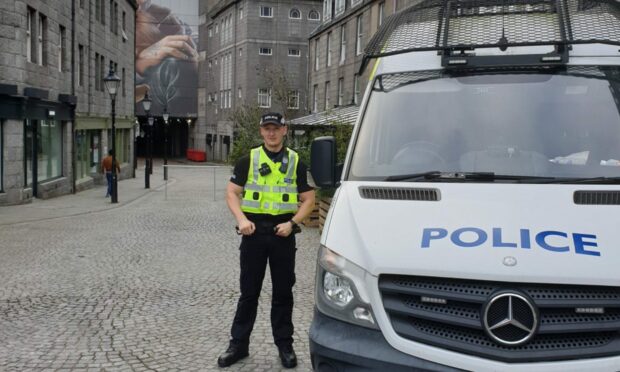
[340, 290]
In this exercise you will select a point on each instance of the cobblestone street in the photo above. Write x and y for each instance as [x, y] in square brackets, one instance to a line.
[149, 285]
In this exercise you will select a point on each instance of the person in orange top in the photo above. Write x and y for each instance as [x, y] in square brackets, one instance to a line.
[106, 167]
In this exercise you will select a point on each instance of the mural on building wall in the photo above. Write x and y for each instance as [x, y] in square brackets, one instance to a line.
[167, 57]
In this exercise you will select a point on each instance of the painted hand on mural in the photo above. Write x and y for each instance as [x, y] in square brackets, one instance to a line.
[176, 46]
[166, 57]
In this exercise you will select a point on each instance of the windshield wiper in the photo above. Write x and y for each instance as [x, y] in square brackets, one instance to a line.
[459, 176]
[590, 180]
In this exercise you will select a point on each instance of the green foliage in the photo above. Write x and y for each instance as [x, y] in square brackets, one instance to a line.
[246, 131]
[339, 130]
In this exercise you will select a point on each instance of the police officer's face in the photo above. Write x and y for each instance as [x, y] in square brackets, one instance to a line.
[273, 135]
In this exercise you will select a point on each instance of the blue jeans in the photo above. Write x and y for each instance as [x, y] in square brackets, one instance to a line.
[108, 176]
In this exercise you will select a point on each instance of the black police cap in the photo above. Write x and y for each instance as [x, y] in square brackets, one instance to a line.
[272, 118]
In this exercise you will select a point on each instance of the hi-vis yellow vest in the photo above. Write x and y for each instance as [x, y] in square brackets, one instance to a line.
[275, 193]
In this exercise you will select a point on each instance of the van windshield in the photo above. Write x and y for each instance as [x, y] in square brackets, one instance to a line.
[555, 124]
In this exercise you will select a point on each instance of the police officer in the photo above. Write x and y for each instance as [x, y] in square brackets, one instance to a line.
[263, 195]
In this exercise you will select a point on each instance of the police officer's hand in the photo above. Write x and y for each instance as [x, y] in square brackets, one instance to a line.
[247, 227]
[284, 229]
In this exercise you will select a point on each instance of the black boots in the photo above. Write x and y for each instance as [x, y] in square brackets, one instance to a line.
[235, 353]
[232, 355]
[287, 356]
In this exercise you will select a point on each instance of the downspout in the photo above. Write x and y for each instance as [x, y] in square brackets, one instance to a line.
[73, 107]
[234, 87]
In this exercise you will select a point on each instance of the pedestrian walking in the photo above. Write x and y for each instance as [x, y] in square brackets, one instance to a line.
[106, 168]
[268, 194]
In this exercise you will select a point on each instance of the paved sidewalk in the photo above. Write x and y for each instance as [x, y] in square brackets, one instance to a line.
[93, 199]
[148, 284]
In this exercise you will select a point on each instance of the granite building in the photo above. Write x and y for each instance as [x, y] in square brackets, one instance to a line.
[335, 88]
[244, 45]
[55, 114]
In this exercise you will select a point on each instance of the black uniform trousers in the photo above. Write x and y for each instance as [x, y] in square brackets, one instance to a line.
[256, 251]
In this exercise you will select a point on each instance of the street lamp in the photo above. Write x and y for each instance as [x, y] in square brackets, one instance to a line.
[165, 116]
[146, 104]
[112, 81]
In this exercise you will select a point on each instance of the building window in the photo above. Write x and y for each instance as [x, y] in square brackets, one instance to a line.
[340, 91]
[381, 13]
[343, 43]
[264, 51]
[42, 40]
[293, 100]
[240, 12]
[327, 10]
[239, 93]
[359, 35]
[314, 16]
[101, 73]
[294, 52]
[211, 31]
[112, 16]
[102, 11]
[328, 49]
[316, 55]
[327, 98]
[97, 71]
[80, 65]
[315, 98]
[294, 14]
[264, 98]
[62, 48]
[356, 89]
[240, 52]
[47, 146]
[123, 83]
[31, 41]
[340, 6]
[98, 10]
[266, 11]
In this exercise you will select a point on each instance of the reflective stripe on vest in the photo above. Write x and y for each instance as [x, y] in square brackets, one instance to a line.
[275, 193]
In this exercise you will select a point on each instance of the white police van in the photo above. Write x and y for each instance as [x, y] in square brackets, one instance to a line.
[476, 223]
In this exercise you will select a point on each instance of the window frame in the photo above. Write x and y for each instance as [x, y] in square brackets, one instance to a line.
[359, 34]
[261, 49]
[290, 13]
[293, 94]
[263, 7]
[298, 55]
[266, 91]
[328, 58]
[343, 43]
[318, 15]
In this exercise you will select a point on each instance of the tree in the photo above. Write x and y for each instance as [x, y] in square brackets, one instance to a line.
[245, 119]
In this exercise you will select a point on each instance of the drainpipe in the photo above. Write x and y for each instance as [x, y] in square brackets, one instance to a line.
[73, 107]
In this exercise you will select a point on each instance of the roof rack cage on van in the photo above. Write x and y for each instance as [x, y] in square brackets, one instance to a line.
[455, 28]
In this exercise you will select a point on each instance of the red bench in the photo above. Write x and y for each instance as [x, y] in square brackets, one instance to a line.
[196, 155]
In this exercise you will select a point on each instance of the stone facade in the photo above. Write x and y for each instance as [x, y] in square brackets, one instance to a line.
[325, 80]
[51, 90]
[245, 44]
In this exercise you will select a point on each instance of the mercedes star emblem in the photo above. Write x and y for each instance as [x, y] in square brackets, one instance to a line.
[510, 261]
[510, 318]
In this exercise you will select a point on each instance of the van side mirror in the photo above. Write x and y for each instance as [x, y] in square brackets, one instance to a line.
[323, 162]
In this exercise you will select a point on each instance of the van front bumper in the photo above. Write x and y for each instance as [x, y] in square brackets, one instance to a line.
[341, 346]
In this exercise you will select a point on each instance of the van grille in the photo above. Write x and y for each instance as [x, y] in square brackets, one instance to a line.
[563, 333]
[597, 197]
[399, 193]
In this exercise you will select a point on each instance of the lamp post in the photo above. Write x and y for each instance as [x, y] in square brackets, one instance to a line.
[112, 81]
[165, 116]
[146, 104]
